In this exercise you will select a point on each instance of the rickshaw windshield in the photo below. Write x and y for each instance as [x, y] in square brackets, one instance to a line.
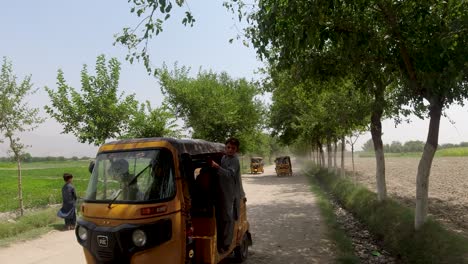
[132, 176]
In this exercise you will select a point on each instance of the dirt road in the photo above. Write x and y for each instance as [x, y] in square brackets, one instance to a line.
[285, 224]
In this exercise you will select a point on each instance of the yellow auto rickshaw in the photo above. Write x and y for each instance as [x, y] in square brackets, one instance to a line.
[256, 165]
[143, 204]
[283, 166]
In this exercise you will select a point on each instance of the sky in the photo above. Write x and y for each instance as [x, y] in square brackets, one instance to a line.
[40, 37]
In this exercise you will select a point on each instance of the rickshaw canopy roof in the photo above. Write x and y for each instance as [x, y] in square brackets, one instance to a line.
[189, 146]
[281, 158]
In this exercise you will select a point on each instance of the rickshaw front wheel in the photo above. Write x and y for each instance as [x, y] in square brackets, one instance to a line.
[241, 252]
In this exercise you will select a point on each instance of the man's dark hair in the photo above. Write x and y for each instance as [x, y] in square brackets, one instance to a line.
[233, 141]
[67, 176]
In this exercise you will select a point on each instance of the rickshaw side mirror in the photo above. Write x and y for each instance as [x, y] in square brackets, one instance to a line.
[91, 166]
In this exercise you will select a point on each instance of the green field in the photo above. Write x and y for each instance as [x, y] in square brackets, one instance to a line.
[453, 152]
[42, 182]
[449, 152]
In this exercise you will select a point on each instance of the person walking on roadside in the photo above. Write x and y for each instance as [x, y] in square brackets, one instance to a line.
[68, 211]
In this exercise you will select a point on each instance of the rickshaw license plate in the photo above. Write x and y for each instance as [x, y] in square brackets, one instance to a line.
[103, 241]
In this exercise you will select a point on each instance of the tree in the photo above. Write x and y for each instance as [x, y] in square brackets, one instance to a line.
[396, 147]
[418, 48]
[325, 40]
[214, 106]
[413, 146]
[152, 122]
[26, 157]
[153, 13]
[353, 137]
[428, 42]
[16, 116]
[97, 113]
[368, 146]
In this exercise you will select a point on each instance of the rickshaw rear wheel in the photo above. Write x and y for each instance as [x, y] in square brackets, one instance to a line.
[241, 252]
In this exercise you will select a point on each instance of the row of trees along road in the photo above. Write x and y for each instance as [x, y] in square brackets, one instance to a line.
[390, 57]
[213, 106]
[409, 146]
[397, 53]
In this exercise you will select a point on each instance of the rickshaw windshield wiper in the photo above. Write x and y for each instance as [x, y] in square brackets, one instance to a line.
[132, 181]
[113, 200]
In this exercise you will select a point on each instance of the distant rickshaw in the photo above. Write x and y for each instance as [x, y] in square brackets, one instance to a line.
[283, 166]
[256, 165]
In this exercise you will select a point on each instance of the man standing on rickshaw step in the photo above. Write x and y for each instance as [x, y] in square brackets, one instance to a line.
[230, 193]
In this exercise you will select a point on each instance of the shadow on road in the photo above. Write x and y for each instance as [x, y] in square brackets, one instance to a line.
[285, 232]
[285, 220]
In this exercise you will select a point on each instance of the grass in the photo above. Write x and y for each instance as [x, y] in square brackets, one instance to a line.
[44, 164]
[344, 245]
[393, 224]
[30, 226]
[42, 183]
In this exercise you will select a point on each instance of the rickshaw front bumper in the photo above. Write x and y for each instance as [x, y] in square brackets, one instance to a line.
[118, 244]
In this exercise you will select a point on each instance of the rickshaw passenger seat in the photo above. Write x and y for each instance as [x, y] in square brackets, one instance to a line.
[202, 200]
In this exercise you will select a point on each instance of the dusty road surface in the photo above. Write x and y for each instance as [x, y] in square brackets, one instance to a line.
[285, 221]
[285, 224]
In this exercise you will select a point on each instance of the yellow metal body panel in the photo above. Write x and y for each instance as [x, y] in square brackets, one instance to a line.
[89, 258]
[206, 237]
[172, 251]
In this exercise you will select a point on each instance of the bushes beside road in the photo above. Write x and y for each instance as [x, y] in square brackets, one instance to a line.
[29, 226]
[393, 224]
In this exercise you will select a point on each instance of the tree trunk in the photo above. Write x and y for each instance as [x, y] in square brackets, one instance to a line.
[329, 155]
[20, 186]
[312, 152]
[335, 151]
[317, 151]
[424, 167]
[352, 159]
[342, 156]
[322, 155]
[376, 132]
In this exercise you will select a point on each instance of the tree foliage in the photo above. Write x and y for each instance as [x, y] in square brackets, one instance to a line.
[152, 13]
[152, 122]
[215, 106]
[418, 46]
[97, 113]
[16, 115]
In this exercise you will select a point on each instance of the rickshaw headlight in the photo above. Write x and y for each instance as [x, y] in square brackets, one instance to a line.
[139, 238]
[82, 233]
